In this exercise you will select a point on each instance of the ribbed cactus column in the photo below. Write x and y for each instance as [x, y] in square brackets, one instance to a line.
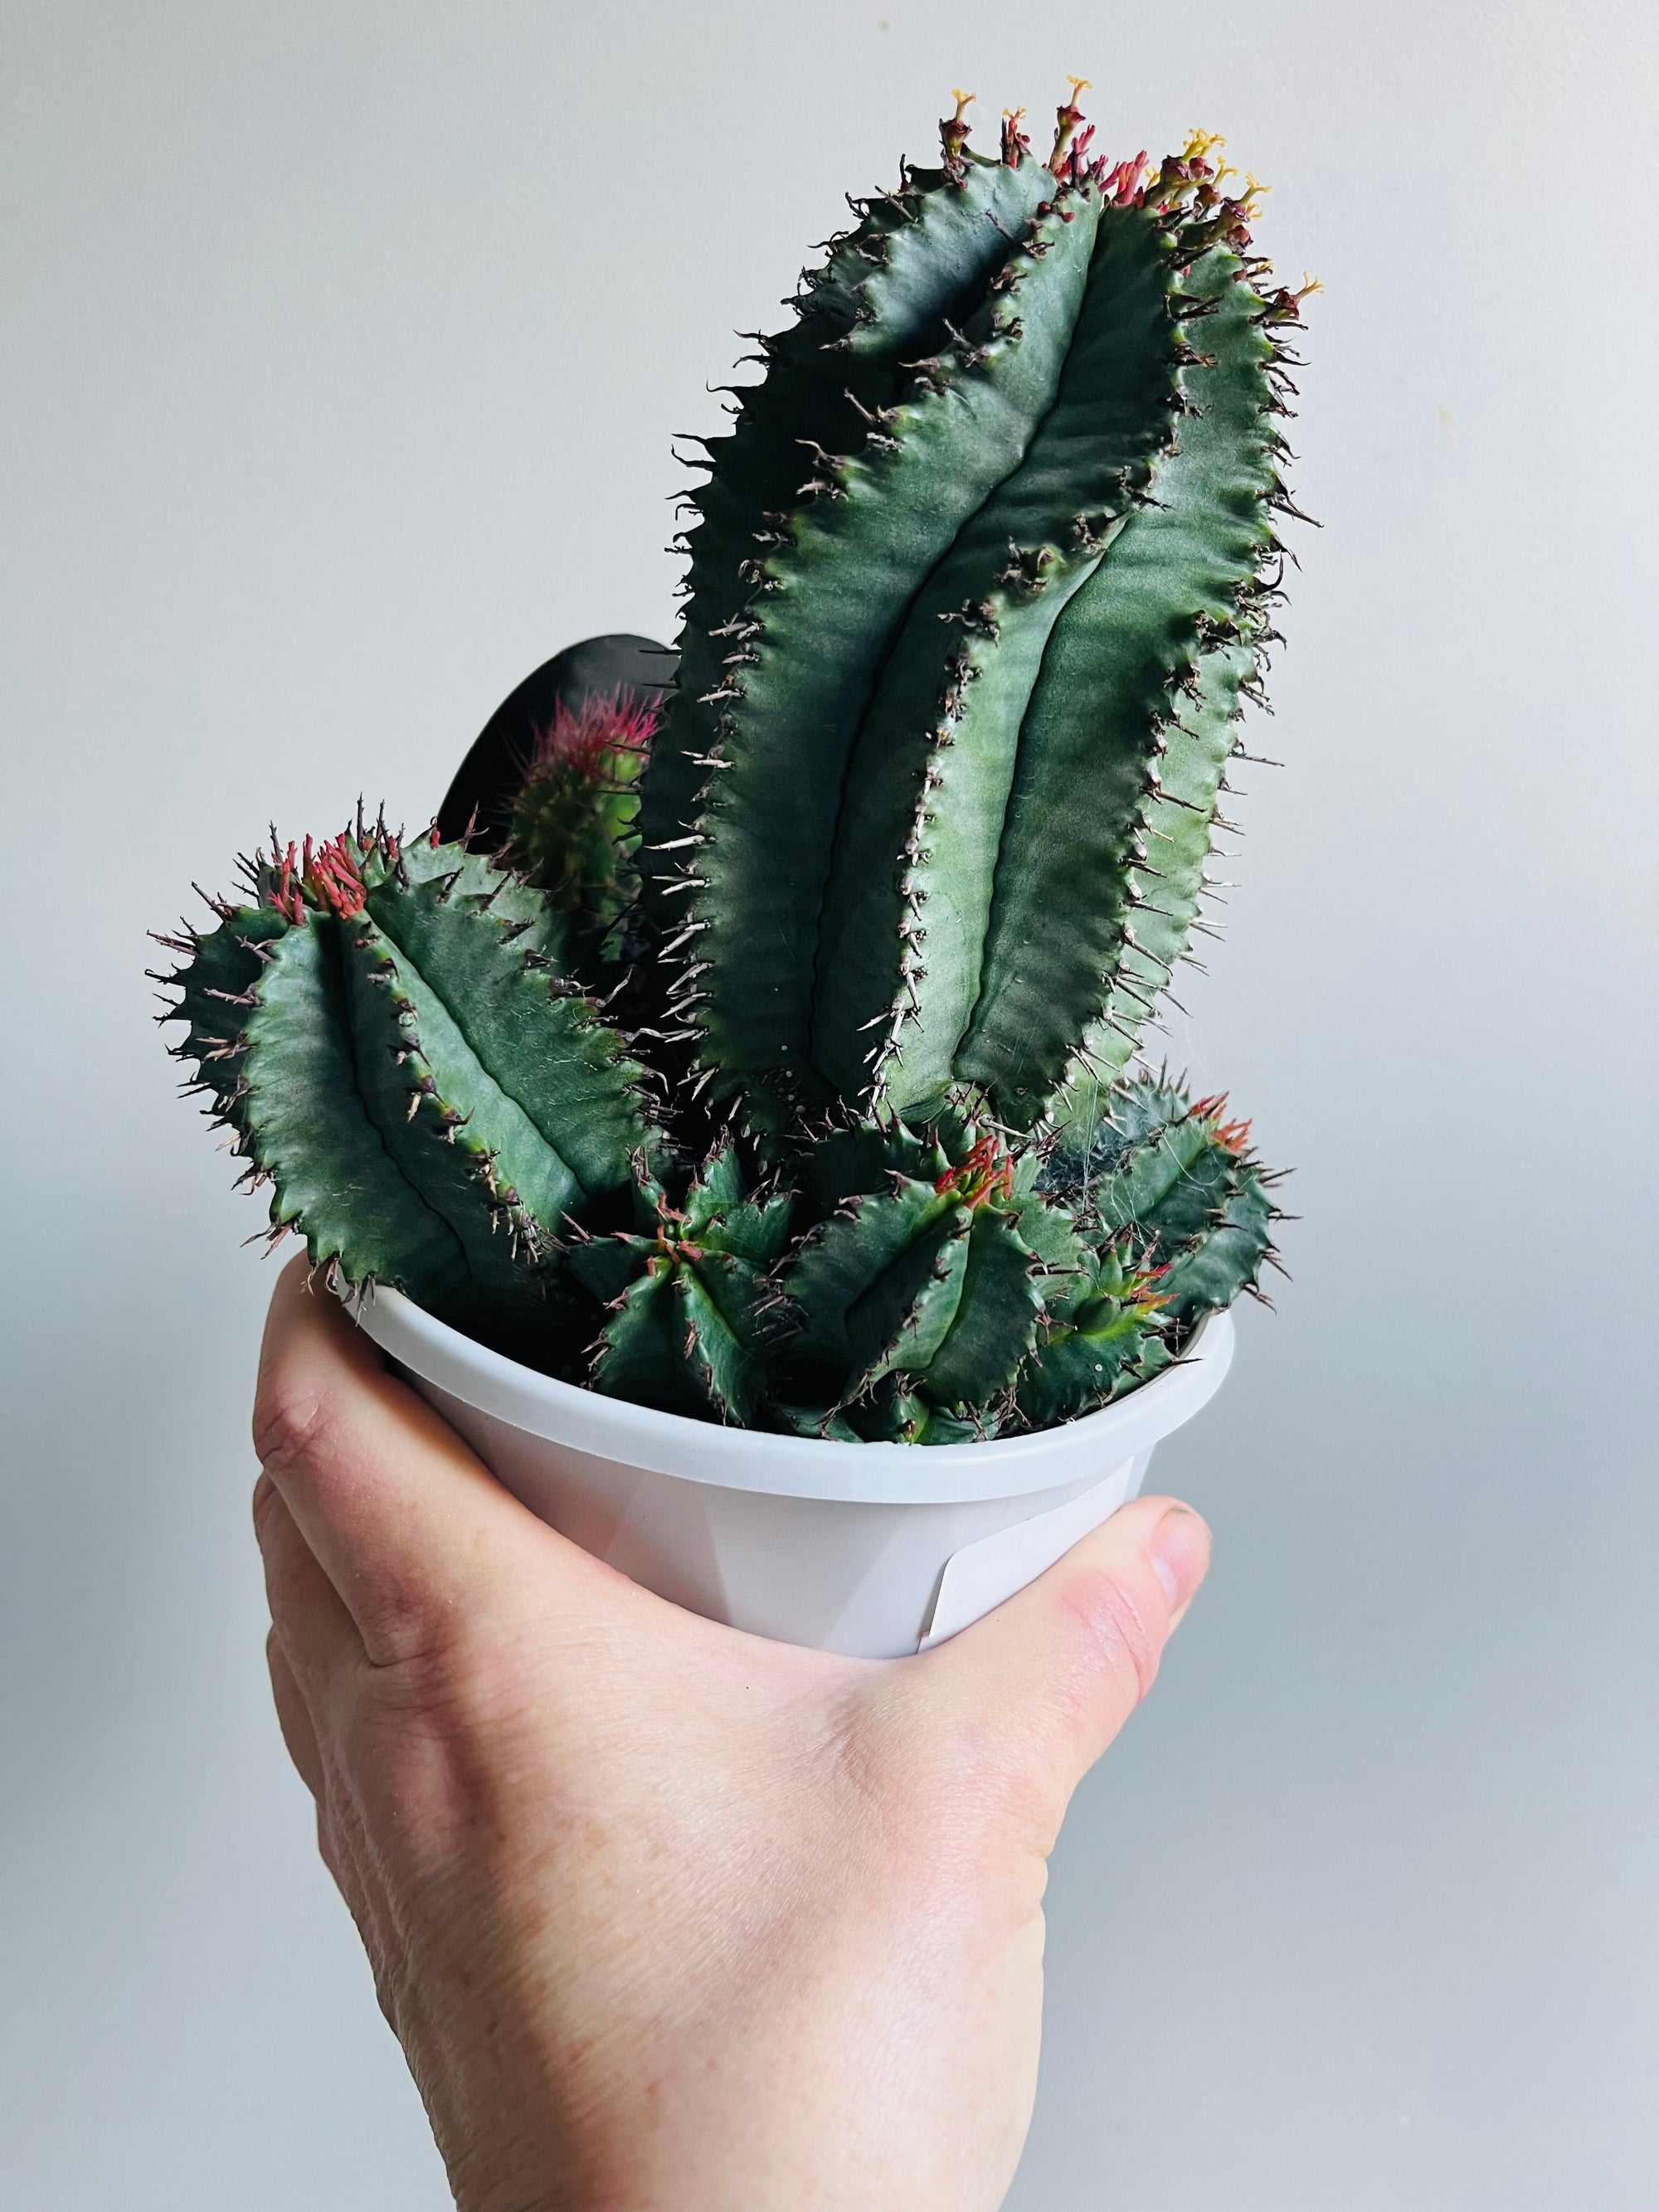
[970, 681]
[382, 1029]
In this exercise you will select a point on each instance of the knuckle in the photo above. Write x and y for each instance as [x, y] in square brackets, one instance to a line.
[290, 1420]
[429, 1669]
[414, 1674]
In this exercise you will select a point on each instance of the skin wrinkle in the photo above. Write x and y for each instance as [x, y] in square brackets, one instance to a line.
[1113, 1624]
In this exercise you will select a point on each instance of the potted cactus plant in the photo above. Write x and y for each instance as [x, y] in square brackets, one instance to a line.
[735, 1086]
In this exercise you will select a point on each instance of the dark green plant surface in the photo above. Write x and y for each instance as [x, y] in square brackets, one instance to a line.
[574, 825]
[384, 1028]
[976, 585]
[776, 1073]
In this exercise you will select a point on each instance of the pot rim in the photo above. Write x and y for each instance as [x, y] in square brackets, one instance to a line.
[641, 1437]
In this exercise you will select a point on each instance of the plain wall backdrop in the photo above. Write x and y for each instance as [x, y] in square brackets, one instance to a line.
[341, 349]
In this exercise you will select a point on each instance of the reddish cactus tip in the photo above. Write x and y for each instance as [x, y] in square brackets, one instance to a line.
[327, 878]
[987, 1172]
[1121, 183]
[1233, 1137]
[605, 724]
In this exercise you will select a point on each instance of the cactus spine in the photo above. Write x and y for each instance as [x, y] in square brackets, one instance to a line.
[777, 1071]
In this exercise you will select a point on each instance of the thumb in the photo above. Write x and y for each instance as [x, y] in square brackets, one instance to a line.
[1055, 1672]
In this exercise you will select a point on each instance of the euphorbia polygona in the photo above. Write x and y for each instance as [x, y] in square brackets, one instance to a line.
[778, 1071]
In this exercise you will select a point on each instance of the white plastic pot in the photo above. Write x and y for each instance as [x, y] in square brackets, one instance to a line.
[875, 1550]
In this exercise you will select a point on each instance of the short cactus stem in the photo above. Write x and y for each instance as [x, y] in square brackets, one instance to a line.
[573, 826]
[782, 1066]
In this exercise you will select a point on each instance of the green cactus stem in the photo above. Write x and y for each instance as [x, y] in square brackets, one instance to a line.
[574, 822]
[477, 810]
[778, 1068]
[687, 1298]
[1106, 1329]
[931, 749]
[1182, 1180]
[930, 1278]
[382, 1028]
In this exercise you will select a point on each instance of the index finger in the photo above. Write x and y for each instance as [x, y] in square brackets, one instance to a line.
[409, 1527]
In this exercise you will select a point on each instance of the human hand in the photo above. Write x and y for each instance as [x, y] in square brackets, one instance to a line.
[669, 1919]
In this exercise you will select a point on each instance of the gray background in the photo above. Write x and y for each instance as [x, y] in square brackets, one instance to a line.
[342, 346]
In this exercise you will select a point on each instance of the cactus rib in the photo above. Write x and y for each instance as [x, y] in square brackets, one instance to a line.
[887, 293]
[828, 600]
[938, 752]
[1068, 893]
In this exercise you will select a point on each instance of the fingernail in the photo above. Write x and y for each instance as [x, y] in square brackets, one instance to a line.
[1179, 1549]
